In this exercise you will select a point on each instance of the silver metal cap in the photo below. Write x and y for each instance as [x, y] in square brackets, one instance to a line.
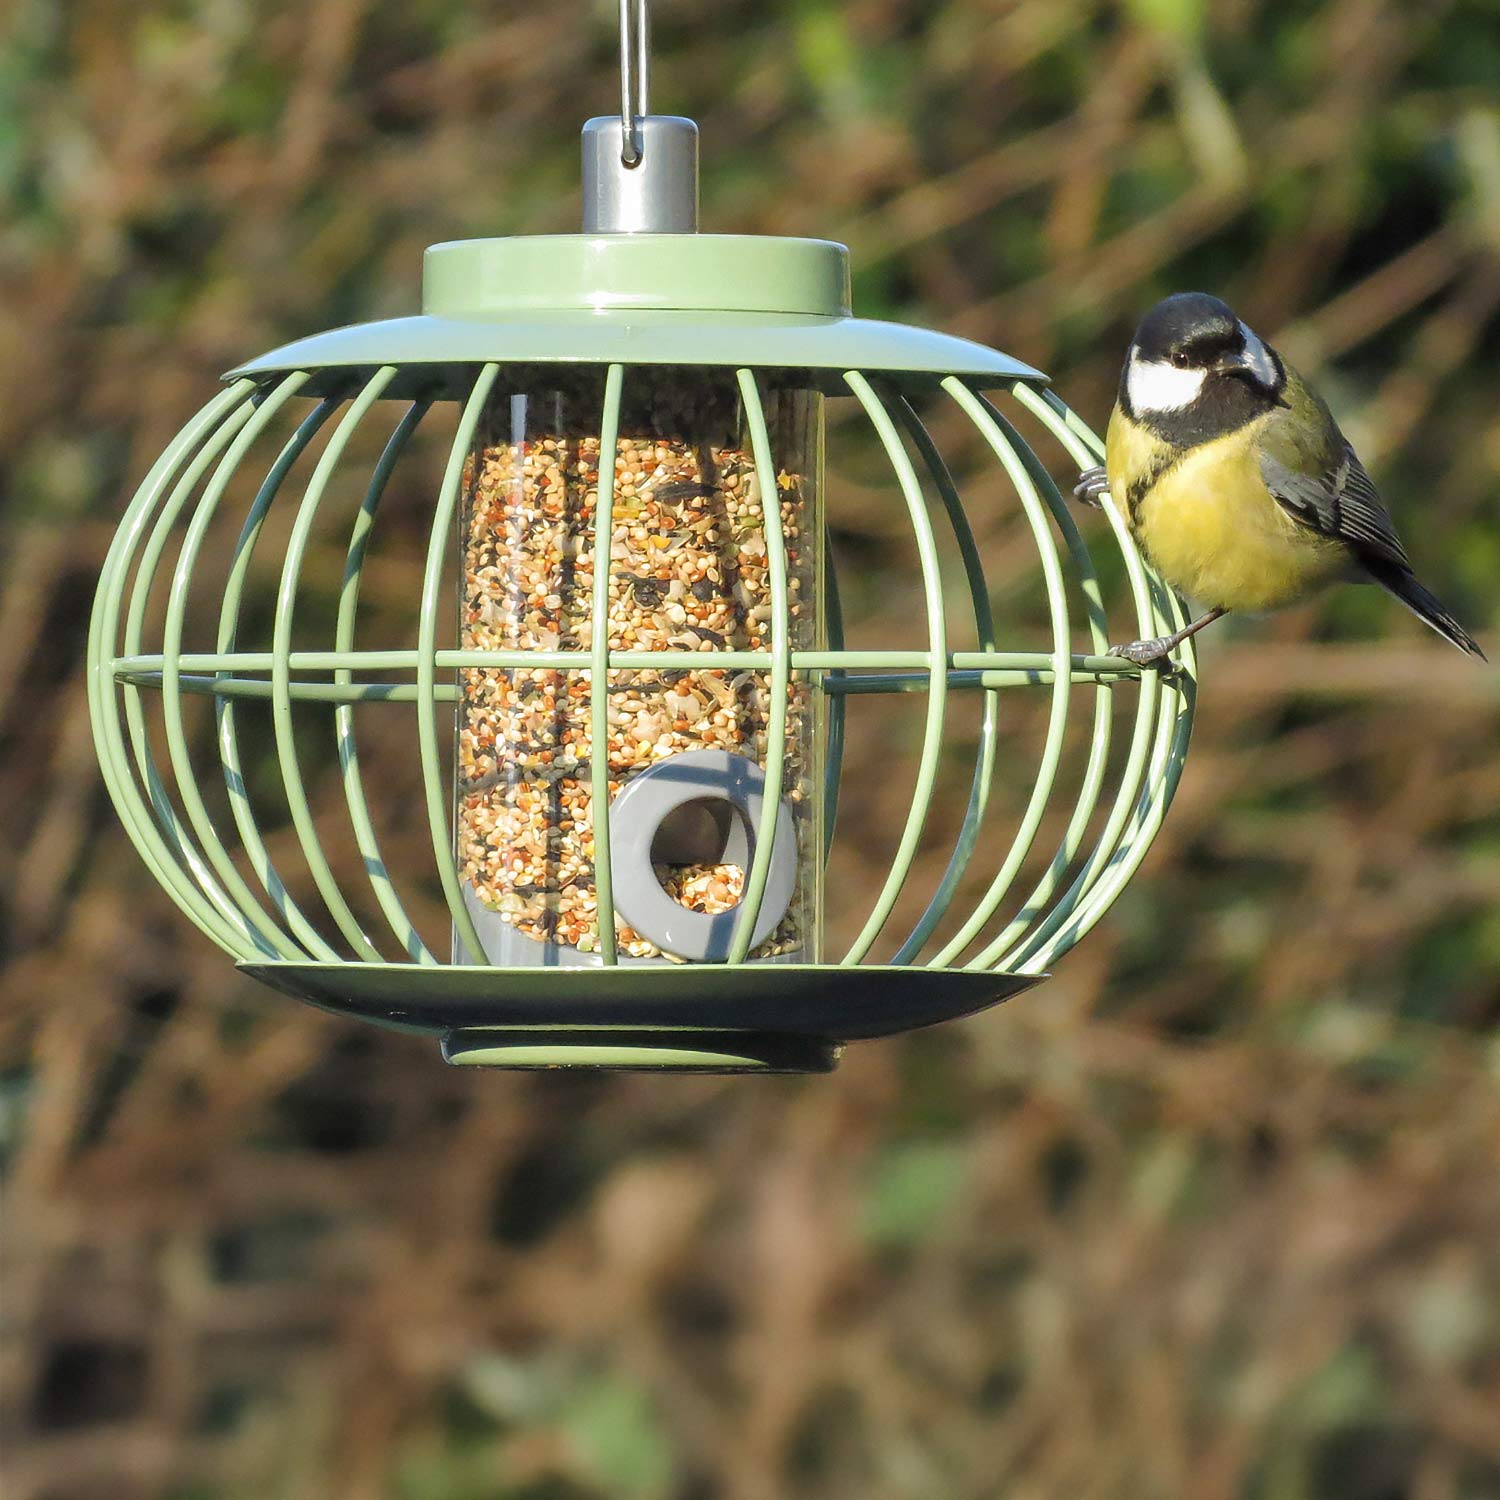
[658, 194]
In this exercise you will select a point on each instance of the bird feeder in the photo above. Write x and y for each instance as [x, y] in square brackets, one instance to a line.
[628, 724]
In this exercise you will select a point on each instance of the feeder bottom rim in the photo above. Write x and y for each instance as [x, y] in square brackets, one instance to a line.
[627, 1049]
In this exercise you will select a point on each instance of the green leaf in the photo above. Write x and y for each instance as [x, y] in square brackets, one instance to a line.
[1182, 19]
[618, 1437]
[910, 1189]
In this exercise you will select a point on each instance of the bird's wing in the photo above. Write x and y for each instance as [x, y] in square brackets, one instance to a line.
[1321, 484]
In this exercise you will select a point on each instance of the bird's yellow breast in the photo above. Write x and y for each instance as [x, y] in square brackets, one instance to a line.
[1212, 528]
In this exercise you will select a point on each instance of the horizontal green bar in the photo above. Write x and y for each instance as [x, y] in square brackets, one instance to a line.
[130, 668]
[1086, 670]
[406, 661]
[916, 682]
[301, 692]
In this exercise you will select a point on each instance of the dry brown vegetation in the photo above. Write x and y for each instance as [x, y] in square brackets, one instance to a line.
[1215, 1213]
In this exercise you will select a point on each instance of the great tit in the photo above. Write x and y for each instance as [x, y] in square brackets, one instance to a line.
[1236, 480]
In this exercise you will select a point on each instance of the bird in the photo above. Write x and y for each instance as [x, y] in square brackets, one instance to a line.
[1236, 481]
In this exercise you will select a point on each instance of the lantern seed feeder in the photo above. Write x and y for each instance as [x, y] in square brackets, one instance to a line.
[646, 666]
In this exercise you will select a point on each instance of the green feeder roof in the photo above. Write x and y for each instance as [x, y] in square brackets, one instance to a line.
[639, 299]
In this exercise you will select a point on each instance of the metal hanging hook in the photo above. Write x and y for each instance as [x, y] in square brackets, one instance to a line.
[635, 75]
[640, 171]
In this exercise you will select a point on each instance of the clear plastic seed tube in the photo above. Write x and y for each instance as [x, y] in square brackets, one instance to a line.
[690, 572]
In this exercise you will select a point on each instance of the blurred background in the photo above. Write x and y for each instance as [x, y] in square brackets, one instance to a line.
[1214, 1213]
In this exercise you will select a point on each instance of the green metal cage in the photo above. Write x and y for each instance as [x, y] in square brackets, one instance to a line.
[756, 315]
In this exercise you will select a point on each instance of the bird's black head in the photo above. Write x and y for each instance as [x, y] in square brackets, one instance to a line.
[1190, 330]
[1195, 371]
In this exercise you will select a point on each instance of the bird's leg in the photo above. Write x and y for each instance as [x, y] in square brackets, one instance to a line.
[1150, 653]
[1092, 486]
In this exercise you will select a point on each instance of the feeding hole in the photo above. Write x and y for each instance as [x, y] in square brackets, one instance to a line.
[689, 855]
[682, 841]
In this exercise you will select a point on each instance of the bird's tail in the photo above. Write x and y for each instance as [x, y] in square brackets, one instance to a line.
[1424, 604]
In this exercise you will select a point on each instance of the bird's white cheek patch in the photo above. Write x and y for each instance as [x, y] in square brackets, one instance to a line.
[1155, 385]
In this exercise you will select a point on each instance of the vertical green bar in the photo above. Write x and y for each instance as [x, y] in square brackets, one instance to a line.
[833, 766]
[277, 943]
[984, 629]
[1062, 667]
[432, 581]
[1170, 751]
[135, 717]
[937, 662]
[104, 694]
[354, 789]
[1087, 799]
[227, 637]
[781, 667]
[604, 522]
[281, 668]
[1084, 448]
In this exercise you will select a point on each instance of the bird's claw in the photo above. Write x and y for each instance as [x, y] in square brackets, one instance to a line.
[1092, 486]
[1154, 653]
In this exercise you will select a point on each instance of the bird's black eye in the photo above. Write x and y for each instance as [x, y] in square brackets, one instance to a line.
[1179, 357]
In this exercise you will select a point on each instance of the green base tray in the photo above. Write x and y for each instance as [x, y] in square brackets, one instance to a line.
[786, 1018]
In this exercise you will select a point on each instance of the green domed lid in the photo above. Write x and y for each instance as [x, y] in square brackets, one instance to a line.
[676, 299]
[703, 273]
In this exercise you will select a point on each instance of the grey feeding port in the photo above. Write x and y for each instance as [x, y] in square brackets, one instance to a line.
[700, 807]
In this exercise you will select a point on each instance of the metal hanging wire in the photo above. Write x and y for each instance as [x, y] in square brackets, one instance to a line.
[635, 76]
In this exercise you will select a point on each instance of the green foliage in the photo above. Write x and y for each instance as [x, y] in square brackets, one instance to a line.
[912, 1187]
[618, 1436]
[600, 1434]
[1183, 20]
